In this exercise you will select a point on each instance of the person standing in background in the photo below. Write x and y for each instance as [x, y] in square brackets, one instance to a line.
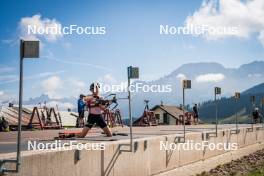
[196, 113]
[81, 106]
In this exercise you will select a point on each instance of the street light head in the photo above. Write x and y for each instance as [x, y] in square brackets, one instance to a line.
[29, 49]
[186, 84]
[133, 72]
[217, 90]
[237, 95]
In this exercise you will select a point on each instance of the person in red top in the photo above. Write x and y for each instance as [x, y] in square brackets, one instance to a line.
[95, 112]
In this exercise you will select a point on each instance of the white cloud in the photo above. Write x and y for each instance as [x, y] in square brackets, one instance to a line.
[43, 75]
[39, 22]
[62, 106]
[107, 79]
[50, 56]
[181, 76]
[6, 79]
[56, 88]
[210, 77]
[109, 83]
[247, 15]
[51, 85]
[67, 45]
[6, 97]
[190, 46]
[77, 86]
[261, 37]
[5, 69]
[80, 84]
[256, 75]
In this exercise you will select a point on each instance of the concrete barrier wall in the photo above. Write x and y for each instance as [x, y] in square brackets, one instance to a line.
[148, 159]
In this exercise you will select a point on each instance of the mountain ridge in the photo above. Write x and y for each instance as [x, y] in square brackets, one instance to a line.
[200, 91]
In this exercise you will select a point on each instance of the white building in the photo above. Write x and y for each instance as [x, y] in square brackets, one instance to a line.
[167, 114]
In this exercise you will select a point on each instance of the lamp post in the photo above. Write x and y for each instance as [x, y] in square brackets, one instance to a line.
[186, 84]
[252, 99]
[132, 73]
[262, 118]
[216, 92]
[28, 49]
[237, 97]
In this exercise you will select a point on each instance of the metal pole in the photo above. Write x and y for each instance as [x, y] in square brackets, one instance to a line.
[236, 116]
[252, 120]
[20, 106]
[262, 112]
[130, 115]
[216, 116]
[1, 107]
[183, 105]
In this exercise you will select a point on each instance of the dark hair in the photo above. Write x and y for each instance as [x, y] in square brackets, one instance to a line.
[93, 85]
[81, 96]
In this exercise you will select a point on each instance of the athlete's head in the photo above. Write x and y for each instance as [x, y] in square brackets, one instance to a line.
[94, 88]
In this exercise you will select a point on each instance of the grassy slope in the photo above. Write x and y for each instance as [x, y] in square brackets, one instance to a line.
[242, 118]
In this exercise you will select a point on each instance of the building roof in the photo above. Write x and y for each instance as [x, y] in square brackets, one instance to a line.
[11, 115]
[68, 118]
[174, 111]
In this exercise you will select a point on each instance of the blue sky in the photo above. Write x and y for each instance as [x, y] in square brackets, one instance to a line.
[132, 38]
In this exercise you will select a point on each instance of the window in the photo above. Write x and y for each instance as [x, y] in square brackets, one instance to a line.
[157, 116]
[166, 119]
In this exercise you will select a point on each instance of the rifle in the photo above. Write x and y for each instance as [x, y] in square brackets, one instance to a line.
[108, 101]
